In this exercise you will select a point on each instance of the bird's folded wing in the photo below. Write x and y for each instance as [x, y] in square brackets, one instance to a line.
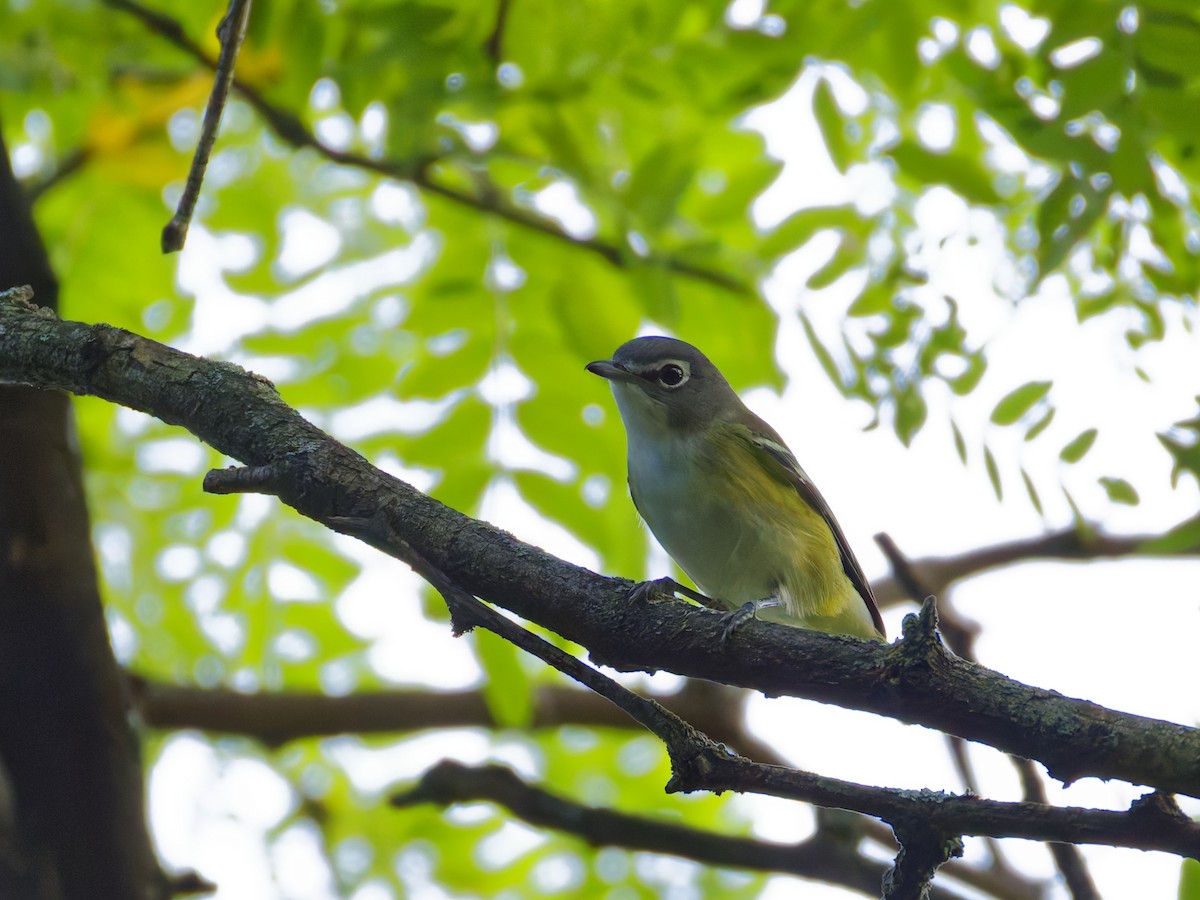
[781, 462]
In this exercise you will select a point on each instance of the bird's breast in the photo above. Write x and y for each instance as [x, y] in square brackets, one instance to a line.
[695, 511]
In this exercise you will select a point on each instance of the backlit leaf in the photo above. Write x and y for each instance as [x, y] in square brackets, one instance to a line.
[1032, 492]
[1120, 491]
[960, 445]
[993, 472]
[1074, 451]
[1018, 402]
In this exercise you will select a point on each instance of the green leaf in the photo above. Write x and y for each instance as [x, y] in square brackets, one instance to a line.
[706, 311]
[1189, 880]
[960, 445]
[966, 175]
[832, 124]
[1074, 451]
[1041, 424]
[877, 298]
[824, 357]
[607, 525]
[660, 179]
[993, 472]
[436, 375]
[969, 380]
[1120, 491]
[911, 412]
[322, 622]
[507, 687]
[1183, 538]
[1018, 402]
[1085, 529]
[849, 253]
[1087, 307]
[315, 556]
[1066, 216]
[798, 228]
[1032, 492]
[1153, 325]
[1170, 41]
[1182, 441]
[904, 319]
[1095, 84]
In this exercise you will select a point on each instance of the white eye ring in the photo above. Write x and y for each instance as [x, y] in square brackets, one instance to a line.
[671, 375]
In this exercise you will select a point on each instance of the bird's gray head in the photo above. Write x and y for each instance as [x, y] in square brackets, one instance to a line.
[666, 382]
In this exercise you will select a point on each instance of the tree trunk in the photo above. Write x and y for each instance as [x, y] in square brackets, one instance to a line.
[72, 820]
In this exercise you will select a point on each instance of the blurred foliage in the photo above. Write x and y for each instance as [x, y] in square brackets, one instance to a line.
[576, 172]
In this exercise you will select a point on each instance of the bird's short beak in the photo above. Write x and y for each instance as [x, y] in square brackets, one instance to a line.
[606, 368]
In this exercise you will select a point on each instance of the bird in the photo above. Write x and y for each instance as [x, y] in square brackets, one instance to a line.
[726, 498]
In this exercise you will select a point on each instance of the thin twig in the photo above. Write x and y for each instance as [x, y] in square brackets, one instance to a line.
[494, 46]
[231, 32]
[1067, 857]
[186, 884]
[822, 857]
[71, 163]
[1143, 826]
[936, 573]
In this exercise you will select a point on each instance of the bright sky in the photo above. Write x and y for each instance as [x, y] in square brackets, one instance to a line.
[1122, 634]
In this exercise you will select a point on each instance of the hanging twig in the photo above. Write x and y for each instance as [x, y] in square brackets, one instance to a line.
[231, 32]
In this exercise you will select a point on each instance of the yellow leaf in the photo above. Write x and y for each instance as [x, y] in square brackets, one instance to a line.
[146, 164]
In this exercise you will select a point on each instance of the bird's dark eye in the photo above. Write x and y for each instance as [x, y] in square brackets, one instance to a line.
[670, 375]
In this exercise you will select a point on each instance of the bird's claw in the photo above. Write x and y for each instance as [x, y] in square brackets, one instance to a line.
[671, 588]
[736, 619]
[643, 590]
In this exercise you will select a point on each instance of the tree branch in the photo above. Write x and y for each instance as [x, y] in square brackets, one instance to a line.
[936, 574]
[1149, 824]
[276, 718]
[923, 850]
[1067, 857]
[823, 858]
[914, 681]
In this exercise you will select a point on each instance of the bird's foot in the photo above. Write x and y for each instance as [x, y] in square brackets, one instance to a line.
[743, 614]
[643, 590]
[738, 618]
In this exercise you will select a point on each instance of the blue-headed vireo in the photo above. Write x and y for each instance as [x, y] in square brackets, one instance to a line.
[726, 498]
